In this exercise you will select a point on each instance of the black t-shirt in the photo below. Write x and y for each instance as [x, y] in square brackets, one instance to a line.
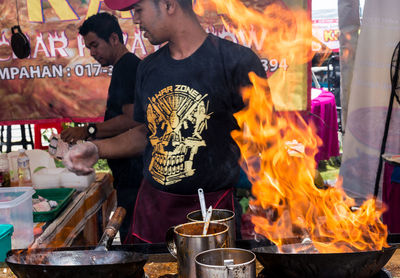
[127, 172]
[122, 85]
[188, 107]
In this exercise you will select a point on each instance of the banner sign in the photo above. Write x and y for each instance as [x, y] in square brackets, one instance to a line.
[326, 29]
[59, 81]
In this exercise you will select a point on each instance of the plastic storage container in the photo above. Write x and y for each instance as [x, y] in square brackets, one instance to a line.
[61, 177]
[16, 209]
[38, 159]
[6, 231]
[47, 178]
[80, 183]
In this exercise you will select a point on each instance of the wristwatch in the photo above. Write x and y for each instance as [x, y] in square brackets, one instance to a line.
[92, 130]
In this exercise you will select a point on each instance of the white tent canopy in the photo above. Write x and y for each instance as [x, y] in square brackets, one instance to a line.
[367, 92]
[365, 61]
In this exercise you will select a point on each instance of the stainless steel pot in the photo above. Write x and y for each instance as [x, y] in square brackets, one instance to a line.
[219, 216]
[185, 241]
[226, 263]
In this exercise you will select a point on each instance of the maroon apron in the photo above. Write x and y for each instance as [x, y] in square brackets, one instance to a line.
[156, 211]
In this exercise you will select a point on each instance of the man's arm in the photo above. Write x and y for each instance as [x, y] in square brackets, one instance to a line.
[110, 128]
[81, 157]
[118, 124]
[127, 144]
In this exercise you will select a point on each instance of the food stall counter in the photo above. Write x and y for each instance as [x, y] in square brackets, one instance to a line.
[78, 222]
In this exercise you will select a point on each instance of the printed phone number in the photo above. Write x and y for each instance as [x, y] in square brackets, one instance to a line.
[91, 70]
[53, 71]
[273, 65]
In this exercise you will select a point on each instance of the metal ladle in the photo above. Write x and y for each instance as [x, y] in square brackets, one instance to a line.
[202, 203]
[207, 220]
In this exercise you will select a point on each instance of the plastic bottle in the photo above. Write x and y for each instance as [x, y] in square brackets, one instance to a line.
[24, 171]
[4, 171]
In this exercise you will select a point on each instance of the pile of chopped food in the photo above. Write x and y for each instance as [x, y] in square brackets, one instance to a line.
[41, 204]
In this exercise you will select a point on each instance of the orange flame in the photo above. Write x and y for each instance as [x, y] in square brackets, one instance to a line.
[278, 149]
[276, 20]
[283, 35]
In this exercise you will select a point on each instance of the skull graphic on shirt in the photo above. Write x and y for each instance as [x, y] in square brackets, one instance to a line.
[176, 116]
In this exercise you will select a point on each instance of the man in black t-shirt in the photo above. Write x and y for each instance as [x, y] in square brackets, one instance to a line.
[186, 95]
[103, 37]
[188, 107]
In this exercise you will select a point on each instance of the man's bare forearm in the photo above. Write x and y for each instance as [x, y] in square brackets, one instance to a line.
[115, 126]
[118, 124]
[128, 144]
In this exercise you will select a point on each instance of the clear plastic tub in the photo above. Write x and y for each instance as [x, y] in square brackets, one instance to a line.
[47, 178]
[80, 183]
[16, 209]
[61, 177]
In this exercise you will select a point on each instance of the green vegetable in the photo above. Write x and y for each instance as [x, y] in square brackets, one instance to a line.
[38, 169]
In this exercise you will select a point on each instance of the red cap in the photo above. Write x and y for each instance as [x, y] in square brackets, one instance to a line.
[120, 5]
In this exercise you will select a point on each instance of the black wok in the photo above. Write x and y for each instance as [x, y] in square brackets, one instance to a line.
[80, 262]
[323, 265]
[116, 262]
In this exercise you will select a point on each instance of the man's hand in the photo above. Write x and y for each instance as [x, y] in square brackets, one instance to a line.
[73, 134]
[81, 158]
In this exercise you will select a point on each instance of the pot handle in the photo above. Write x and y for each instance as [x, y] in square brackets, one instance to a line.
[230, 271]
[169, 239]
[115, 222]
[111, 229]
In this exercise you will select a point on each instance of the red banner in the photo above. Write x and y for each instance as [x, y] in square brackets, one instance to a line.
[59, 80]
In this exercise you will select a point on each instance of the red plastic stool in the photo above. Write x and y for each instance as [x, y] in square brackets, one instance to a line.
[38, 133]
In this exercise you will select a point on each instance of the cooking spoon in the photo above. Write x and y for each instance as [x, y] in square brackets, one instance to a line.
[207, 221]
[202, 203]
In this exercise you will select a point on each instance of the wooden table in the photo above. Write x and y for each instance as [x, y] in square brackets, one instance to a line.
[394, 264]
[78, 223]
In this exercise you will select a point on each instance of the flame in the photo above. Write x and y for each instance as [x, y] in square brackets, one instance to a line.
[278, 148]
[285, 42]
[276, 20]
